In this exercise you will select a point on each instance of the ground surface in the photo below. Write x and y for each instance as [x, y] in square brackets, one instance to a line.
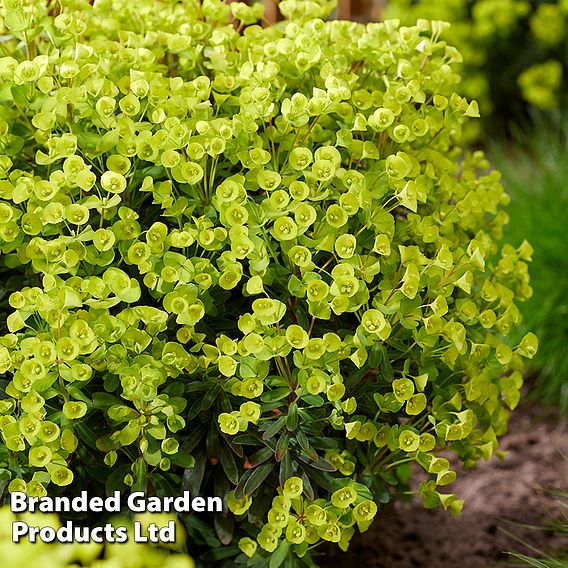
[513, 489]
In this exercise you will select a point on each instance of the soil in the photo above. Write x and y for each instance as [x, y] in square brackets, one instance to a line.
[500, 496]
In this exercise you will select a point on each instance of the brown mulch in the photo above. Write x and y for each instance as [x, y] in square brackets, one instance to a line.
[499, 494]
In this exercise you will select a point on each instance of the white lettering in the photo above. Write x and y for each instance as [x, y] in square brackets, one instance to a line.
[66, 533]
[136, 503]
[19, 529]
[121, 535]
[214, 504]
[154, 505]
[198, 504]
[138, 536]
[96, 534]
[96, 505]
[18, 502]
[168, 534]
[47, 534]
[112, 504]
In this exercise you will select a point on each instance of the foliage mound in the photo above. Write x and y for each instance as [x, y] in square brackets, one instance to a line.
[514, 50]
[248, 262]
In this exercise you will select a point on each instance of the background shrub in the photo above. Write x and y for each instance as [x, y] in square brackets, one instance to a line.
[252, 265]
[514, 50]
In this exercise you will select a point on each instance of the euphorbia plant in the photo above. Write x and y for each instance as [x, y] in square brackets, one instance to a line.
[249, 262]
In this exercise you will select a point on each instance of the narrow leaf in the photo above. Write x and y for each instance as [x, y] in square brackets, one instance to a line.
[282, 446]
[274, 428]
[259, 474]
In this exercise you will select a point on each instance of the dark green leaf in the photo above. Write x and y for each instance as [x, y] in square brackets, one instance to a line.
[86, 434]
[302, 440]
[115, 481]
[313, 400]
[104, 400]
[274, 427]
[260, 456]
[259, 474]
[201, 532]
[212, 442]
[260, 505]
[193, 476]
[292, 420]
[210, 397]
[320, 463]
[183, 459]
[163, 486]
[240, 488]
[237, 449]
[194, 438]
[219, 553]
[224, 527]
[279, 555]
[287, 468]
[282, 446]
[308, 488]
[140, 475]
[228, 463]
[247, 440]
[275, 395]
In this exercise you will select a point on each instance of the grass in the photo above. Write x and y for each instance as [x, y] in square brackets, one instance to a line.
[540, 558]
[535, 173]
[559, 527]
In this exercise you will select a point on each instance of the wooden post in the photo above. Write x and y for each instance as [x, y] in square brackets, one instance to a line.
[358, 10]
[362, 10]
[378, 8]
[344, 10]
[271, 12]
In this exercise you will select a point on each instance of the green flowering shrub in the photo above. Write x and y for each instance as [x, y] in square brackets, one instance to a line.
[247, 262]
[514, 51]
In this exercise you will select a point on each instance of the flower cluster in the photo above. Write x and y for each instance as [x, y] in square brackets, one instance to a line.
[250, 262]
[303, 523]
